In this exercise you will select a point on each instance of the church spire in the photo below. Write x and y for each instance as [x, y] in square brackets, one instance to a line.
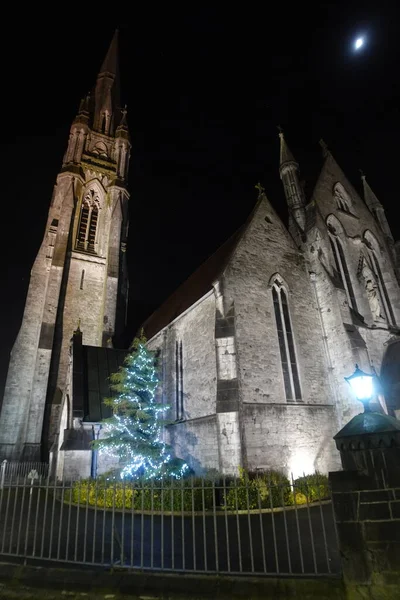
[376, 208]
[110, 63]
[289, 173]
[107, 90]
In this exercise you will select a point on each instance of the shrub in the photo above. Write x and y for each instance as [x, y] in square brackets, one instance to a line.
[314, 487]
[299, 498]
[268, 489]
[168, 495]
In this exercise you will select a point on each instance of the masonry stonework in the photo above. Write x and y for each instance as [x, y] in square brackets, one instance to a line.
[252, 349]
[75, 277]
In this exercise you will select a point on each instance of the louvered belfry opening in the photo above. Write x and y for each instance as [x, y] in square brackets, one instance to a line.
[86, 237]
[83, 227]
[92, 229]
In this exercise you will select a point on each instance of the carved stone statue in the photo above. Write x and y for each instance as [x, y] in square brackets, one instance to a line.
[372, 290]
[341, 198]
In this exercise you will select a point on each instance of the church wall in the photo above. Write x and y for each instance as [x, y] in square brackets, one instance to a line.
[193, 332]
[373, 336]
[265, 250]
[355, 224]
[291, 437]
[23, 403]
[197, 442]
[85, 301]
[76, 465]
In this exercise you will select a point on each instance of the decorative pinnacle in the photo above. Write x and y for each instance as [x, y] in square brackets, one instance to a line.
[123, 122]
[285, 154]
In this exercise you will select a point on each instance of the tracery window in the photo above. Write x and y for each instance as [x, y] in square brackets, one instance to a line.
[286, 343]
[87, 229]
[341, 267]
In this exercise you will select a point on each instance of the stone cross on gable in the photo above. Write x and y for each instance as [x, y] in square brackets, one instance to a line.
[260, 188]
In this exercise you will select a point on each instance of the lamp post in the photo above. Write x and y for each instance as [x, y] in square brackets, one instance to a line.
[370, 441]
[362, 385]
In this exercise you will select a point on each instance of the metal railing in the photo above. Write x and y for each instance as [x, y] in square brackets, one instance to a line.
[18, 471]
[194, 525]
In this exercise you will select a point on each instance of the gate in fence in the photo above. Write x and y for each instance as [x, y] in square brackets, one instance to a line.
[193, 525]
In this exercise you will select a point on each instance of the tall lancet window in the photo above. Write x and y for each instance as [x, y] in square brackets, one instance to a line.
[87, 229]
[341, 267]
[286, 343]
[179, 408]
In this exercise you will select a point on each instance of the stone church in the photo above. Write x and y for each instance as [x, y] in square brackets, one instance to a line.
[253, 348]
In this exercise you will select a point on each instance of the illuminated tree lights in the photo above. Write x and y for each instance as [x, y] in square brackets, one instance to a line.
[134, 432]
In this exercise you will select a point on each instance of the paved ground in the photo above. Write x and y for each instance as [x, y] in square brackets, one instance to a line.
[301, 541]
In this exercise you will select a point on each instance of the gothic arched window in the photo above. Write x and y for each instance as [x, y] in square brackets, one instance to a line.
[87, 228]
[341, 266]
[286, 344]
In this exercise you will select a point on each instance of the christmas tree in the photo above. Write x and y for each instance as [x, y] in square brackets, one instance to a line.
[134, 432]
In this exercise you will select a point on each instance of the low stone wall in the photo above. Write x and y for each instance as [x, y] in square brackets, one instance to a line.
[27, 582]
[367, 517]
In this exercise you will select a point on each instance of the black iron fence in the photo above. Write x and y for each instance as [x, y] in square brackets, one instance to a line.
[236, 526]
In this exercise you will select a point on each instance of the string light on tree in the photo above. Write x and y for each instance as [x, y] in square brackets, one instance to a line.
[134, 432]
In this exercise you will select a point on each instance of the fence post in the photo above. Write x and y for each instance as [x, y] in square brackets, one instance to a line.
[3, 473]
[366, 502]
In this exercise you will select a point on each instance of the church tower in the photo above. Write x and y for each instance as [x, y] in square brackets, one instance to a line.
[79, 275]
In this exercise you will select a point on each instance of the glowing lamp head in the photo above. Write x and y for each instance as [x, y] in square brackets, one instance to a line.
[362, 385]
[359, 43]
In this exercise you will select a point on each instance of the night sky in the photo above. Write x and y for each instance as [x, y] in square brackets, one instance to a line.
[205, 90]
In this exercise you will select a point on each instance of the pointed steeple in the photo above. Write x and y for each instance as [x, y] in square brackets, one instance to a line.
[110, 63]
[285, 154]
[107, 91]
[376, 208]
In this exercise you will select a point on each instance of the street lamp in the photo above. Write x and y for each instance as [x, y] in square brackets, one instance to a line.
[362, 385]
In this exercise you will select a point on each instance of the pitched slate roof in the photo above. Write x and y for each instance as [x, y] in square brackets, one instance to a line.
[194, 288]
